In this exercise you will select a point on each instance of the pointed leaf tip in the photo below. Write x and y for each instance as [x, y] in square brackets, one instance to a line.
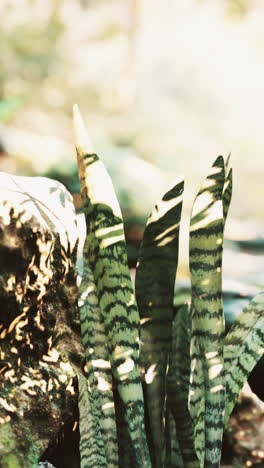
[227, 164]
[219, 162]
[82, 140]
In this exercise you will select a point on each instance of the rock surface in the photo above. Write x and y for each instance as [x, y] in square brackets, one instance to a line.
[41, 348]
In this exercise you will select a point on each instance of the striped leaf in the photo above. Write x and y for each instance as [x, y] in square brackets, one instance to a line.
[155, 278]
[108, 261]
[227, 194]
[207, 391]
[92, 450]
[244, 346]
[97, 359]
[178, 385]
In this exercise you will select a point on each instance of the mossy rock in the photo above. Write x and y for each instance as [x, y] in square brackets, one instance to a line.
[41, 349]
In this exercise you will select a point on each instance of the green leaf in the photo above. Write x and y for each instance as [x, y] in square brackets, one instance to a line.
[106, 249]
[227, 194]
[97, 359]
[207, 390]
[178, 385]
[92, 451]
[155, 278]
[244, 346]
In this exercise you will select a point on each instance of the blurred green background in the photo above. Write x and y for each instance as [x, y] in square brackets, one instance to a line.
[165, 86]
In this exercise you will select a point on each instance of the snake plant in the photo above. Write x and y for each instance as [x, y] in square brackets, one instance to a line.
[159, 387]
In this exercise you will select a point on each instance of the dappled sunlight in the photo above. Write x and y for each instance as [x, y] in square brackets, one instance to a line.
[163, 207]
[101, 363]
[103, 384]
[109, 405]
[121, 352]
[94, 178]
[45, 199]
[214, 369]
[145, 320]
[7, 406]
[111, 240]
[150, 374]
[209, 215]
[210, 180]
[110, 235]
[211, 355]
[217, 388]
[104, 233]
[39, 292]
[207, 389]
[165, 241]
[154, 284]
[166, 231]
[58, 61]
[125, 368]
[156, 379]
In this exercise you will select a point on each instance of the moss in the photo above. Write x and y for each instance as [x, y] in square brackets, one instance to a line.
[11, 461]
[7, 439]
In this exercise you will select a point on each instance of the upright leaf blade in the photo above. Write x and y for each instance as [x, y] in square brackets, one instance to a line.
[178, 385]
[97, 358]
[244, 346]
[227, 194]
[108, 261]
[92, 451]
[207, 392]
[155, 278]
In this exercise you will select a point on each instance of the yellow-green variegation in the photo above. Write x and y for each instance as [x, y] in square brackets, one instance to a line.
[106, 250]
[159, 387]
[244, 346]
[92, 449]
[207, 388]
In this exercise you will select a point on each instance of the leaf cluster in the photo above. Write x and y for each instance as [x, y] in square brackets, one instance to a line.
[159, 387]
